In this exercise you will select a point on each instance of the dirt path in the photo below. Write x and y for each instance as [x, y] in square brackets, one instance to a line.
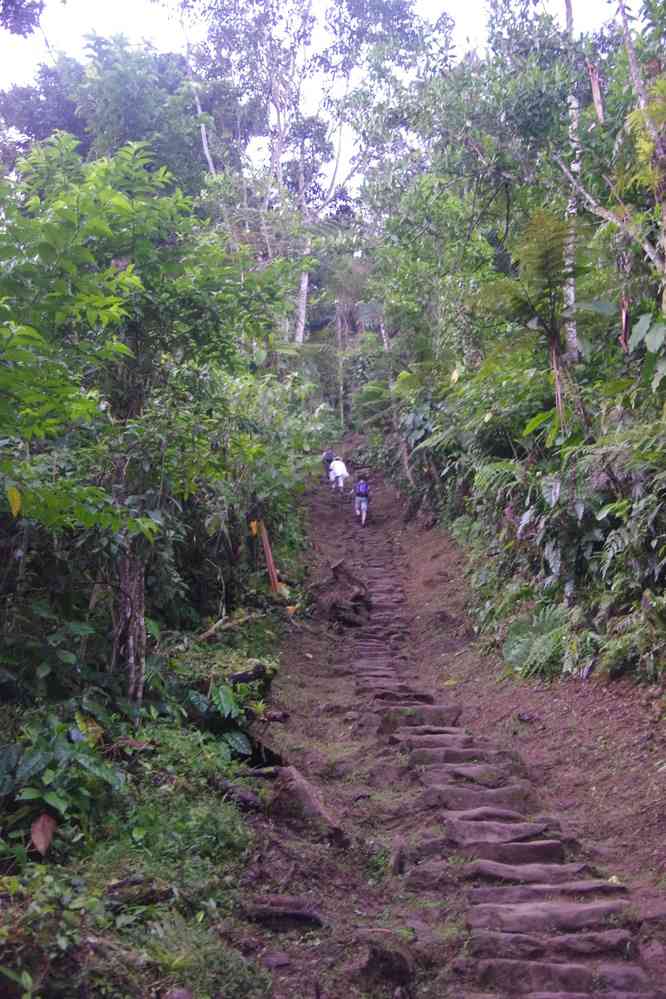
[419, 858]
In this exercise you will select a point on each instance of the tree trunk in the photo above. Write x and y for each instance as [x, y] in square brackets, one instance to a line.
[569, 289]
[404, 450]
[341, 370]
[302, 301]
[129, 639]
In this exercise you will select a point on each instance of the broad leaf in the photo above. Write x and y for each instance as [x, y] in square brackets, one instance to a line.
[239, 742]
[537, 421]
[225, 702]
[639, 332]
[655, 338]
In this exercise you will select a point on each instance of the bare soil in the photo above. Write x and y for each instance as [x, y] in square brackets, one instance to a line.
[373, 857]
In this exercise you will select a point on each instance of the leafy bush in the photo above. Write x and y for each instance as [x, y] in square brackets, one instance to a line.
[54, 770]
[535, 645]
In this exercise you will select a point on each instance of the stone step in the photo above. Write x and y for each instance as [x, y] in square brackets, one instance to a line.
[531, 947]
[426, 716]
[518, 797]
[491, 870]
[461, 832]
[433, 757]
[544, 851]
[544, 917]
[384, 684]
[486, 813]
[520, 977]
[404, 697]
[536, 892]
[611, 994]
[472, 773]
[441, 739]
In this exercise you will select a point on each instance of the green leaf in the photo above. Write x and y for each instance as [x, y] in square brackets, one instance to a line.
[80, 628]
[56, 801]
[655, 338]
[601, 308]
[537, 421]
[225, 702]
[29, 794]
[66, 657]
[659, 374]
[239, 742]
[32, 763]
[109, 775]
[639, 332]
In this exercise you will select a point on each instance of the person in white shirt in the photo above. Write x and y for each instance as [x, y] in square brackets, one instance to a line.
[338, 473]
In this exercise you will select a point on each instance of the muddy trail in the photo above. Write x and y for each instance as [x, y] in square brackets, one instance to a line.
[410, 848]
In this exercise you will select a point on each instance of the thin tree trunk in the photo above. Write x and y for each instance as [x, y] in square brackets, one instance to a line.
[341, 370]
[404, 450]
[569, 289]
[302, 300]
[197, 103]
[129, 640]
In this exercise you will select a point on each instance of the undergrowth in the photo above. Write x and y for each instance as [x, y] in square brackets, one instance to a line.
[145, 854]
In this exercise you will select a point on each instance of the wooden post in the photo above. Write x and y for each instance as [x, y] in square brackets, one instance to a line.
[270, 564]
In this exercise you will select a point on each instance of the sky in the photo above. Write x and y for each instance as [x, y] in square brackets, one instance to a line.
[65, 24]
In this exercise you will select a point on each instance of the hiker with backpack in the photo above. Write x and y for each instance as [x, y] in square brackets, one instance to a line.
[361, 500]
[338, 473]
[327, 458]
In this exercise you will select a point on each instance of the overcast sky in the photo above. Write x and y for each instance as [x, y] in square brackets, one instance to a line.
[65, 24]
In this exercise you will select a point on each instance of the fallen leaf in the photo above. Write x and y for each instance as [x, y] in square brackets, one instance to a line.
[41, 832]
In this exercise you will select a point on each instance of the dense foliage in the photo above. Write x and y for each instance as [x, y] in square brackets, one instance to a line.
[534, 421]
[203, 268]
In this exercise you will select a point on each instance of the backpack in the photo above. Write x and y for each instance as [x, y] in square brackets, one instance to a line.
[362, 488]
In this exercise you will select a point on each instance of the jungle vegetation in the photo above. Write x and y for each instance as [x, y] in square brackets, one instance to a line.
[206, 275]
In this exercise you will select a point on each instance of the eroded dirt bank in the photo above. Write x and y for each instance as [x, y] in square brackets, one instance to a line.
[442, 832]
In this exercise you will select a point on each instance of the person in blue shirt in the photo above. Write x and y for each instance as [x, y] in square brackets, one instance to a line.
[361, 500]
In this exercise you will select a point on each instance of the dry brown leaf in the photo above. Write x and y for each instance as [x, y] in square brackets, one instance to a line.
[41, 832]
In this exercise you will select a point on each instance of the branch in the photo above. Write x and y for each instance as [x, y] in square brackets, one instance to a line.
[225, 625]
[626, 225]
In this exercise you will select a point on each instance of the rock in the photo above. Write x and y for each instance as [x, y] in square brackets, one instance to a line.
[294, 798]
[276, 716]
[282, 912]
[399, 853]
[653, 957]
[389, 958]
[432, 876]
[241, 796]
[275, 959]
